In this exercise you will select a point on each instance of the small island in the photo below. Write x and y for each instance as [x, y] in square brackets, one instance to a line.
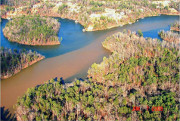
[13, 61]
[32, 30]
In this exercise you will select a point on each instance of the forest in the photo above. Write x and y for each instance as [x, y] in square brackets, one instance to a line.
[33, 30]
[170, 36]
[93, 15]
[18, 2]
[175, 26]
[13, 61]
[141, 72]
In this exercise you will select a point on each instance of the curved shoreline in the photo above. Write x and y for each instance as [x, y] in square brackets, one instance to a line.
[24, 66]
[109, 27]
[32, 30]
[137, 19]
[118, 25]
[33, 44]
[66, 66]
[61, 66]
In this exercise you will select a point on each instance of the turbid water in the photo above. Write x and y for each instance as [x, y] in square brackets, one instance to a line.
[72, 58]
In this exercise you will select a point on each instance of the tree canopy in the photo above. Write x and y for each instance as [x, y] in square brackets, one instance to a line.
[13, 61]
[32, 30]
[148, 76]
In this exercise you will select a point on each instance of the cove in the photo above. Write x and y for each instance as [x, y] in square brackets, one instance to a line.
[73, 38]
[72, 63]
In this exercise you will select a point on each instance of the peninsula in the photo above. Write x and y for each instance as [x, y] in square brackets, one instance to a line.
[139, 73]
[170, 36]
[175, 26]
[13, 61]
[93, 15]
[32, 30]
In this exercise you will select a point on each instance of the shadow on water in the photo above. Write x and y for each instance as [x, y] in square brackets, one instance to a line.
[56, 79]
[6, 115]
[63, 81]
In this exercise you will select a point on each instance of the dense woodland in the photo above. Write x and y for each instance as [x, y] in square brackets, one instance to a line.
[140, 72]
[32, 30]
[81, 10]
[13, 61]
[170, 36]
[175, 26]
[132, 10]
[19, 2]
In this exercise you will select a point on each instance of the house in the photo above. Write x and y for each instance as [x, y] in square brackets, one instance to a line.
[37, 5]
[109, 13]
[55, 8]
[108, 10]
[122, 13]
[173, 10]
[90, 27]
[142, 10]
[95, 15]
[73, 7]
[163, 3]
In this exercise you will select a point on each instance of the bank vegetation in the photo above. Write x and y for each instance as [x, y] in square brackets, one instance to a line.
[13, 61]
[140, 72]
[32, 30]
[93, 15]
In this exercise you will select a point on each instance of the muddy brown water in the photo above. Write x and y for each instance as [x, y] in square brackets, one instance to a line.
[73, 64]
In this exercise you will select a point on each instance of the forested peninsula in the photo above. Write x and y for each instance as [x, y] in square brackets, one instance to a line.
[175, 26]
[139, 81]
[32, 30]
[92, 14]
[13, 61]
[172, 35]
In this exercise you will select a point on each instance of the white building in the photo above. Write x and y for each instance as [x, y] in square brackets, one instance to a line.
[164, 3]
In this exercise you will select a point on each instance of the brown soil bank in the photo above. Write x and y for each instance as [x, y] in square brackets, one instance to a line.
[175, 29]
[23, 67]
[65, 66]
[96, 15]
[13, 61]
[175, 26]
[34, 42]
[170, 36]
[73, 64]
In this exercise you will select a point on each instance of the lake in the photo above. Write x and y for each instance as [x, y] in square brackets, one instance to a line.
[70, 60]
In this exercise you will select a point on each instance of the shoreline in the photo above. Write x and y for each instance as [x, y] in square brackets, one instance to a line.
[26, 43]
[24, 66]
[109, 27]
[66, 66]
[121, 25]
[174, 29]
[28, 38]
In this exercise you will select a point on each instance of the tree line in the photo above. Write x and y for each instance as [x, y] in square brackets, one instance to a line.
[131, 9]
[13, 61]
[32, 30]
[140, 72]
